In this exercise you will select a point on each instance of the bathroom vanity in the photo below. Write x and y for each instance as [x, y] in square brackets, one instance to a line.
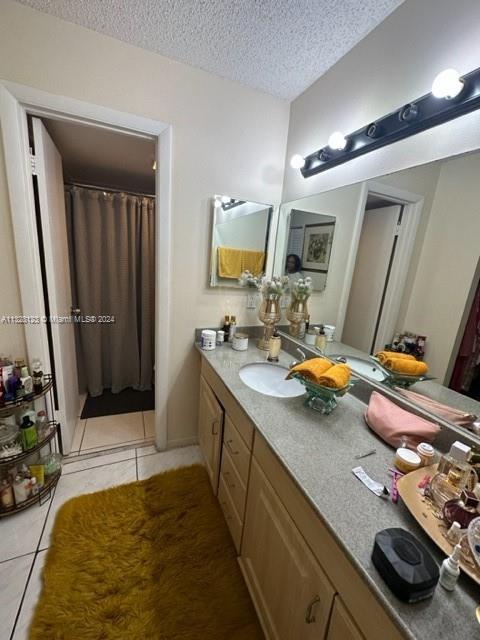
[302, 524]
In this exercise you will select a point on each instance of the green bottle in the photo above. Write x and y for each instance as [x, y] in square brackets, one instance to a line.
[28, 431]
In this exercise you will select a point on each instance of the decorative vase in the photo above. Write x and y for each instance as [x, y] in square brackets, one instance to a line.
[270, 315]
[297, 313]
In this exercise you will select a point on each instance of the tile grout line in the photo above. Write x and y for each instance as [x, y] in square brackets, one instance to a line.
[98, 466]
[22, 555]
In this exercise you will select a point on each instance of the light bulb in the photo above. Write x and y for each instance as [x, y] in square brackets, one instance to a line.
[447, 84]
[297, 161]
[337, 141]
[225, 199]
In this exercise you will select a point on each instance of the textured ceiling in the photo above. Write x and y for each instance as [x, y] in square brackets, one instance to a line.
[277, 46]
[104, 158]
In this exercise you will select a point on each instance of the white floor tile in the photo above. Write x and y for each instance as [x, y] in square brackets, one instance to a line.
[146, 451]
[78, 435]
[88, 481]
[149, 422]
[98, 461]
[112, 430]
[13, 578]
[166, 460]
[20, 533]
[31, 597]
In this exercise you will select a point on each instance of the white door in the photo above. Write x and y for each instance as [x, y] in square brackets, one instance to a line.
[48, 164]
[374, 256]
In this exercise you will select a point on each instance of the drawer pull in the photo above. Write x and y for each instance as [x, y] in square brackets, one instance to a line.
[229, 447]
[230, 485]
[225, 507]
[309, 614]
[215, 433]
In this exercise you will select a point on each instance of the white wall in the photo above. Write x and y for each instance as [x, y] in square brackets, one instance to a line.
[448, 261]
[227, 139]
[394, 64]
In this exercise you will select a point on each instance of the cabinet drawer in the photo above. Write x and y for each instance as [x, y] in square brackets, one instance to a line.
[233, 521]
[238, 450]
[235, 486]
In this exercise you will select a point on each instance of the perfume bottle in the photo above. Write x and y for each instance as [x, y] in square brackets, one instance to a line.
[452, 475]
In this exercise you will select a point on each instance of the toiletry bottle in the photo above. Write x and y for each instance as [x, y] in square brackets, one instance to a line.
[28, 433]
[27, 381]
[274, 345]
[459, 453]
[37, 376]
[6, 494]
[321, 340]
[450, 569]
[452, 474]
[226, 328]
[232, 328]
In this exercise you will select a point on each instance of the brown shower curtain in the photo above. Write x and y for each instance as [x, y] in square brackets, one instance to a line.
[112, 248]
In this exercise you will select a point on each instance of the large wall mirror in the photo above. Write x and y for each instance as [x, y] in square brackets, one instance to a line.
[240, 239]
[404, 269]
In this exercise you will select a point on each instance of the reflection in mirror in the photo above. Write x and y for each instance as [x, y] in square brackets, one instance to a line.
[306, 245]
[404, 275]
[240, 234]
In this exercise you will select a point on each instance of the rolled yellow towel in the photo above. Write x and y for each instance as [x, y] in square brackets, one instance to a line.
[336, 377]
[406, 367]
[386, 355]
[311, 369]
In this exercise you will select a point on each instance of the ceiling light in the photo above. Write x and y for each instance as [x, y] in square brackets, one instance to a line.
[447, 84]
[226, 199]
[154, 165]
[218, 202]
[297, 161]
[337, 141]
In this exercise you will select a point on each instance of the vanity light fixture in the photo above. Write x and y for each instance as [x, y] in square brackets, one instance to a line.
[452, 96]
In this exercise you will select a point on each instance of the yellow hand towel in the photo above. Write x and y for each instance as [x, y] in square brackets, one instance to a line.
[253, 261]
[385, 355]
[336, 377]
[406, 367]
[312, 369]
[229, 262]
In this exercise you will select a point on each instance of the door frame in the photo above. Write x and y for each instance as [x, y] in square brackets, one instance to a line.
[413, 204]
[16, 101]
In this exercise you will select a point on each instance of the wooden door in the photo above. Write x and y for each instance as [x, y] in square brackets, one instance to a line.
[210, 426]
[292, 594]
[51, 197]
[342, 626]
[370, 278]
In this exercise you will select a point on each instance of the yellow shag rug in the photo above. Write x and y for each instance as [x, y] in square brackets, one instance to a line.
[147, 560]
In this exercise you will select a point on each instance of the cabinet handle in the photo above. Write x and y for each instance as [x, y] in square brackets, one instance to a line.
[230, 485]
[309, 615]
[229, 447]
[215, 433]
[225, 507]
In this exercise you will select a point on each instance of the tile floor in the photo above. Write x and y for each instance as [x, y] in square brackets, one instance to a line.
[25, 537]
[107, 432]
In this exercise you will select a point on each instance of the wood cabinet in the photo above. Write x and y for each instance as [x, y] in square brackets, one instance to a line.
[210, 429]
[291, 592]
[342, 626]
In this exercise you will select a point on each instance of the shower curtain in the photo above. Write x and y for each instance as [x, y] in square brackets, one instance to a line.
[112, 249]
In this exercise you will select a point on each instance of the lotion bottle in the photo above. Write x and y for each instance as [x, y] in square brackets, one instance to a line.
[450, 569]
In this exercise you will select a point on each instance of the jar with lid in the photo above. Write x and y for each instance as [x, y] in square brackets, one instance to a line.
[426, 453]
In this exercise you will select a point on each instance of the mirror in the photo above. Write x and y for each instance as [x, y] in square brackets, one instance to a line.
[304, 242]
[240, 236]
[404, 273]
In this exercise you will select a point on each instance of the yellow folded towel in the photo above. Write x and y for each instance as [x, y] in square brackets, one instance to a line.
[406, 367]
[336, 377]
[312, 369]
[386, 355]
[253, 261]
[229, 262]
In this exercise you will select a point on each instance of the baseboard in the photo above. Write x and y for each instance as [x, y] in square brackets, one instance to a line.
[176, 443]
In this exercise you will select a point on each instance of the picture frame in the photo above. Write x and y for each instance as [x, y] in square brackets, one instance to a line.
[317, 246]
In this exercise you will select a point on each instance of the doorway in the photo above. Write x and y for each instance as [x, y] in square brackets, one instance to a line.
[99, 238]
[16, 101]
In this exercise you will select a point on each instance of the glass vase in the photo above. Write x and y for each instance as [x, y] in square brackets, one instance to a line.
[270, 315]
[297, 313]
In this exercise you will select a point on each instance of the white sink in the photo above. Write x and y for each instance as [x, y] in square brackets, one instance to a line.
[269, 379]
[363, 367]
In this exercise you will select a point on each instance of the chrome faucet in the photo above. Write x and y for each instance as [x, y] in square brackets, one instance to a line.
[303, 358]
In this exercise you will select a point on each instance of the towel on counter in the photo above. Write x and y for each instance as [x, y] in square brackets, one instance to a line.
[312, 369]
[406, 367]
[383, 356]
[232, 262]
[336, 377]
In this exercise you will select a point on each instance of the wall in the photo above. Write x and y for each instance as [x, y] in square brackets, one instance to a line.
[227, 139]
[448, 261]
[394, 64]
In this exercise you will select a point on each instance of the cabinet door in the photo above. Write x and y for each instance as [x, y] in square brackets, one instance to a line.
[342, 626]
[210, 425]
[292, 594]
